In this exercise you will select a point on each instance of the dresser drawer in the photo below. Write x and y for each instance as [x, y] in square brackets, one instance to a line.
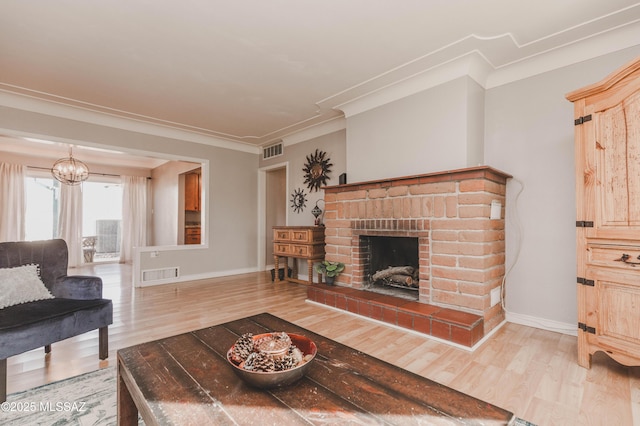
[303, 236]
[283, 249]
[281, 235]
[615, 256]
[307, 250]
[300, 250]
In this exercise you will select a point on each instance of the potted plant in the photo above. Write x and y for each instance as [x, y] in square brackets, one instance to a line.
[330, 270]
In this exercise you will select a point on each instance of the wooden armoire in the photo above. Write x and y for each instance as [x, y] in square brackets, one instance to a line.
[607, 158]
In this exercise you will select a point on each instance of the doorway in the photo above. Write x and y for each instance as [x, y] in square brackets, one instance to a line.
[272, 187]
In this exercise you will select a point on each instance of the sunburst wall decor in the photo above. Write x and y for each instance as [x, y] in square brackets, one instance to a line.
[298, 200]
[316, 170]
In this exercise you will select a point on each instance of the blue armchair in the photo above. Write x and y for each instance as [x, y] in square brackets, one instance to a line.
[77, 306]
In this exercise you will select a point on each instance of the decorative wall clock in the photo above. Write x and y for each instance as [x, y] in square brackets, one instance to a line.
[298, 200]
[316, 170]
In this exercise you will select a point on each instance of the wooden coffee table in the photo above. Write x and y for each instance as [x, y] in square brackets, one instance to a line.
[186, 380]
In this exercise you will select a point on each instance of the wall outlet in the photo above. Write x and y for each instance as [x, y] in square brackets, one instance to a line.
[495, 296]
[496, 209]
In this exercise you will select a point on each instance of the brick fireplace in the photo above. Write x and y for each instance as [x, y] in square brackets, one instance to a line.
[461, 249]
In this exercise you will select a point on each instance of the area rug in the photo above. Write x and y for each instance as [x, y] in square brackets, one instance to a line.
[87, 399]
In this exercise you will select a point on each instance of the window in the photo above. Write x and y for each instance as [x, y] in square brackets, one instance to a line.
[101, 215]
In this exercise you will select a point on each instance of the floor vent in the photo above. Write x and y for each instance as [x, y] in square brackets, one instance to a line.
[160, 274]
[272, 151]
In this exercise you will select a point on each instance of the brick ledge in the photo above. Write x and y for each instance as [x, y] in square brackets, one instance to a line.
[459, 327]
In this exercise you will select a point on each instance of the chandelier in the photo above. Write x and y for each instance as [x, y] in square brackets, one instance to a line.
[69, 170]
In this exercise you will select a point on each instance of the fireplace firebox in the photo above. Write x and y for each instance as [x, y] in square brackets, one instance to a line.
[393, 265]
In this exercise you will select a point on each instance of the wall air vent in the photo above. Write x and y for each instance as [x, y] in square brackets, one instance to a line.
[160, 274]
[272, 151]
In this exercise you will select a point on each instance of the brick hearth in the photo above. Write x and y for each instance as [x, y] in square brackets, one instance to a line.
[454, 326]
[461, 250]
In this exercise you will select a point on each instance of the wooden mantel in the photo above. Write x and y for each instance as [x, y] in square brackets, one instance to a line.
[479, 172]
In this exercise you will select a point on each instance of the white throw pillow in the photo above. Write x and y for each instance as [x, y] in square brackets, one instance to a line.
[21, 284]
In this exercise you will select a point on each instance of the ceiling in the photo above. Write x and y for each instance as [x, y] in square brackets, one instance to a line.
[255, 71]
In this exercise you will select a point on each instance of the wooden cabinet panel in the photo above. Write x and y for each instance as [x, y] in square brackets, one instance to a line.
[192, 189]
[192, 235]
[611, 315]
[622, 257]
[607, 155]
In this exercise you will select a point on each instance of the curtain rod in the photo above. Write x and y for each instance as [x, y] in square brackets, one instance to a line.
[90, 173]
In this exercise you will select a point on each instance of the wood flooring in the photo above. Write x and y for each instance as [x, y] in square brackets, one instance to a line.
[531, 372]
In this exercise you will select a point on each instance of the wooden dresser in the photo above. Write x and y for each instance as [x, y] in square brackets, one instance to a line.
[297, 242]
[607, 153]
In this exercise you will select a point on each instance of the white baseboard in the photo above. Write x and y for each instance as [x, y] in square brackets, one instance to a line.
[542, 323]
[195, 277]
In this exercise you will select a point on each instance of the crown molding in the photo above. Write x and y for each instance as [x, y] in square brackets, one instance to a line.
[57, 109]
[325, 128]
[472, 65]
[572, 53]
[477, 65]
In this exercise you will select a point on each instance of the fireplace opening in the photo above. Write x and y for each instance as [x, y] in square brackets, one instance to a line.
[393, 266]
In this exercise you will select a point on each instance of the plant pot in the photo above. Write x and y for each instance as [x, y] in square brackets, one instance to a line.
[329, 280]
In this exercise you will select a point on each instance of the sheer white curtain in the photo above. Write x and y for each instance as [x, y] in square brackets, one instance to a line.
[12, 202]
[134, 216]
[70, 221]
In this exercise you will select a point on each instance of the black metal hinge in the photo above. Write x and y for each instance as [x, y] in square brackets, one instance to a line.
[580, 120]
[584, 281]
[584, 224]
[586, 329]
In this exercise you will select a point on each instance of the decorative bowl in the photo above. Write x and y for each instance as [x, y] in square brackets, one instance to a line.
[266, 380]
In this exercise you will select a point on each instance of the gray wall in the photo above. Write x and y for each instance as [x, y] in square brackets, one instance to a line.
[232, 195]
[334, 145]
[523, 128]
[295, 157]
[437, 129]
[530, 134]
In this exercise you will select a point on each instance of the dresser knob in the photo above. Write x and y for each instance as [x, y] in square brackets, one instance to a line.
[625, 259]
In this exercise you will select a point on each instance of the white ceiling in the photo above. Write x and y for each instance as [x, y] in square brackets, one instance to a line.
[255, 71]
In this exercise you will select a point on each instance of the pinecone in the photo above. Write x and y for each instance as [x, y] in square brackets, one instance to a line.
[242, 348]
[296, 354]
[259, 361]
[285, 363]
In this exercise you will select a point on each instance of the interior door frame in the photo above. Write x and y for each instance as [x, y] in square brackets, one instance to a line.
[262, 209]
